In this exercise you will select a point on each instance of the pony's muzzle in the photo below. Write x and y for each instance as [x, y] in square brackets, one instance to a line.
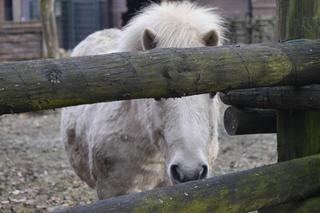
[180, 174]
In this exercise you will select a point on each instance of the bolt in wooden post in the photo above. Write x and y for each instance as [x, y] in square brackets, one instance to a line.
[298, 131]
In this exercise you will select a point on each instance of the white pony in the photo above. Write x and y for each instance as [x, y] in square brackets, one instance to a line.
[136, 145]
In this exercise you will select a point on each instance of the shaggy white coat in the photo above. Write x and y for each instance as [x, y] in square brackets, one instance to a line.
[129, 146]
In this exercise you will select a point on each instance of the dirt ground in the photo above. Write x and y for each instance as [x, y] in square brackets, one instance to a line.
[35, 175]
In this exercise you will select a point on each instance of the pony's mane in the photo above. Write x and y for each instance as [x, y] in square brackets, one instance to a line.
[170, 18]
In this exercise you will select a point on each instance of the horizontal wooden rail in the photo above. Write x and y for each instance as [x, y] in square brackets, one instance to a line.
[310, 205]
[287, 97]
[46, 84]
[249, 121]
[238, 192]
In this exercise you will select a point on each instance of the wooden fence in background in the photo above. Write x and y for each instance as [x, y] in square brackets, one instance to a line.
[20, 41]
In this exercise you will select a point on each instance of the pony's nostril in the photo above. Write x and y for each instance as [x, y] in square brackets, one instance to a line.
[203, 172]
[175, 173]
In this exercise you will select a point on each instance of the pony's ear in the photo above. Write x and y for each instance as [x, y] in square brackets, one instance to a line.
[211, 38]
[148, 40]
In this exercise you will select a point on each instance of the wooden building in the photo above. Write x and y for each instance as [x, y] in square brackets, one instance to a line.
[239, 8]
[18, 40]
[264, 8]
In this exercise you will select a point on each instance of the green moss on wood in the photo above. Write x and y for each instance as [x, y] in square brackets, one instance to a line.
[45, 84]
[239, 192]
[309, 206]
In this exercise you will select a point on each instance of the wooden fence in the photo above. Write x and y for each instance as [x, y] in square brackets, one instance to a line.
[292, 186]
[239, 192]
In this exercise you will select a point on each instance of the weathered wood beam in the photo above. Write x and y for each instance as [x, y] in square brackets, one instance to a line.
[286, 97]
[46, 84]
[310, 205]
[249, 121]
[238, 192]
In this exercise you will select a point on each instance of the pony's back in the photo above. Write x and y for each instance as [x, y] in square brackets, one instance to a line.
[97, 43]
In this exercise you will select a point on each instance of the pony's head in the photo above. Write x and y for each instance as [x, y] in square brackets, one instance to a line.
[187, 131]
[186, 124]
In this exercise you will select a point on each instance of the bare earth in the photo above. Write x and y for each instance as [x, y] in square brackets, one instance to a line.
[35, 175]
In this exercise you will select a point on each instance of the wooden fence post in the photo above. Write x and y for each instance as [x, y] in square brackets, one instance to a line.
[298, 19]
[298, 131]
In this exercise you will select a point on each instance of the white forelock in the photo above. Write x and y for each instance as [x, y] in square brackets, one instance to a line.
[172, 20]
